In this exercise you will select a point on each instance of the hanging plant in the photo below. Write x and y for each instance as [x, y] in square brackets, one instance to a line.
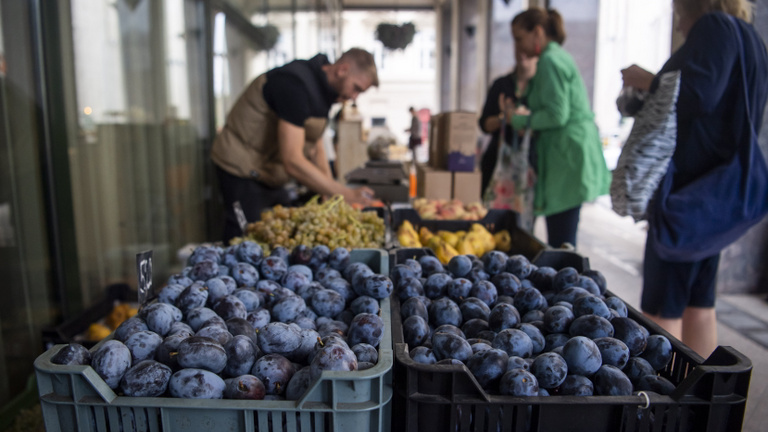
[395, 36]
[265, 37]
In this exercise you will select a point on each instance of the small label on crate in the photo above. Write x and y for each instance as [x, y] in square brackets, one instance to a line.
[240, 215]
[144, 276]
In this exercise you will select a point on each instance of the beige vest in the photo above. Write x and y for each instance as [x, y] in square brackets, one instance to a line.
[247, 146]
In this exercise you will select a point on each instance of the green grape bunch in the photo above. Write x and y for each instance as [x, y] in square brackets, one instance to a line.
[332, 223]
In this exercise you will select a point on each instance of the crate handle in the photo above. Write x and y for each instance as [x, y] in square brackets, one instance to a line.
[647, 400]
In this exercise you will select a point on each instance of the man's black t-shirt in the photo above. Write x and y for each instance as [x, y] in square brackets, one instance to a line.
[299, 90]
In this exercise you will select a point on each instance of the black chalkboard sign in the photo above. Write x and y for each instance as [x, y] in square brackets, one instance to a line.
[241, 220]
[144, 276]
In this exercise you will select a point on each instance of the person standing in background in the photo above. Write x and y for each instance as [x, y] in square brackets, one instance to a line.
[415, 131]
[712, 123]
[504, 94]
[571, 168]
[274, 134]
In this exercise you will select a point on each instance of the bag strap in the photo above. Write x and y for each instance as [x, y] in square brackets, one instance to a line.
[743, 64]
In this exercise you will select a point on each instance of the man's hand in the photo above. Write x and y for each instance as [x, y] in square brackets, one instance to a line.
[362, 195]
[637, 77]
[522, 110]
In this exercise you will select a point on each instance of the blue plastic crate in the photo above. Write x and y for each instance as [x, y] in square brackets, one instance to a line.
[76, 398]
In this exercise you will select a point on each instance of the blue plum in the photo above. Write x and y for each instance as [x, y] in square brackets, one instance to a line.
[194, 383]
[503, 316]
[278, 338]
[550, 370]
[333, 358]
[438, 285]
[611, 381]
[658, 351]
[528, 299]
[339, 258]
[506, 283]
[519, 266]
[273, 268]
[515, 342]
[485, 291]
[613, 351]
[458, 290]
[582, 355]
[423, 355]
[591, 305]
[631, 333]
[459, 265]
[241, 352]
[365, 353]
[415, 331]
[148, 378]
[365, 304]
[450, 346]
[142, 345]
[288, 308]
[414, 306]
[111, 360]
[557, 319]
[275, 371]
[518, 382]
[408, 287]
[655, 383]
[365, 328]
[201, 352]
[244, 387]
[591, 326]
[430, 264]
[565, 277]
[129, 327]
[327, 303]
[72, 354]
[636, 368]
[444, 311]
[488, 366]
[577, 385]
[474, 308]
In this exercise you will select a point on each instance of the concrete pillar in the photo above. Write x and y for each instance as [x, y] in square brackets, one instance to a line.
[742, 265]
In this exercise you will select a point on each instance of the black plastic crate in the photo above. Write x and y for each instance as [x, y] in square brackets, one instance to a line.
[710, 394]
[67, 331]
[523, 242]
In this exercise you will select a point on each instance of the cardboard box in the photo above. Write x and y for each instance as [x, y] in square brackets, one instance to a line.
[433, 184]
[442, 184]
[454, 142]
[466, 186]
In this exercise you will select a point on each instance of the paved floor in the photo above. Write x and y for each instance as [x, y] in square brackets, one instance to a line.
[614, 245]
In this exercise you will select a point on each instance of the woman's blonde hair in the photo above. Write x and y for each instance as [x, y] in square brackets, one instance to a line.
[738, 8]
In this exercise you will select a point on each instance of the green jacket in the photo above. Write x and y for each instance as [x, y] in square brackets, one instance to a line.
[571, 166]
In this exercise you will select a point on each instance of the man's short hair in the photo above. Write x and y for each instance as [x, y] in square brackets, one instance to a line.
[363, 61]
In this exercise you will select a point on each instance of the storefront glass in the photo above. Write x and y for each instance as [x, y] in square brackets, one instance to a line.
[26, 303]
[137, 164]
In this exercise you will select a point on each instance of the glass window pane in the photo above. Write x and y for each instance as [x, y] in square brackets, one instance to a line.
[137, 167]
[25, 272]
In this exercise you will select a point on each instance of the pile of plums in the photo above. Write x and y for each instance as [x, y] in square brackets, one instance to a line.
[525, 330]
[238, 324]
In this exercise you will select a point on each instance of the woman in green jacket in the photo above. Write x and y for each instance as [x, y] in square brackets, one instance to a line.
[571, 166]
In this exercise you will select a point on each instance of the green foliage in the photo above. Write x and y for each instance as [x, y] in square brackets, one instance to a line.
[395, 36]
[266, 37]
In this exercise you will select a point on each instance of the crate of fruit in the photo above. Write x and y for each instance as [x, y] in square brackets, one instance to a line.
[501, 359]
[196, 381]
[497, 229]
